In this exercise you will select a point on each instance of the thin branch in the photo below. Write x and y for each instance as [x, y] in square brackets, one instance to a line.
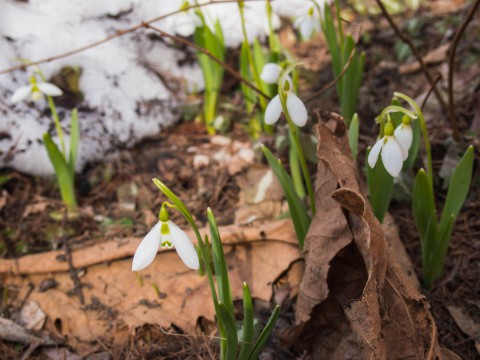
[115, 35]
[227, 67]
[451, 60]
[423, 66]
[334, 81]
[439, 77]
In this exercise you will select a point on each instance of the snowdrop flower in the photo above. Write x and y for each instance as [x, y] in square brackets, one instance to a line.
[296, 108]
[165, 234]
[404, 134]
[270, 73]
[308, 23]
[393, 152]
[35, 91]
[185, 23]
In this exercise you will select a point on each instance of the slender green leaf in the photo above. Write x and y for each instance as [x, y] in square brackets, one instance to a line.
[458, 187]
[439, 250]
[230, 332]
[353, 131]
[413, 151]
[329, 30]
[380, 188]
[220, 265]
[74, 141]
[429, 243]
[247, 337]
[295, 169]
[423, 202]
[62, 171]
[249, 95]
[264, 335]
[298, 211]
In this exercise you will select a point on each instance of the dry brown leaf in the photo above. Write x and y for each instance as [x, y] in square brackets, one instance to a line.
[32, 316]
[53, 261]
[117, 300]
[396, 247]
[435, 56]
[354, 302]
[465, 323]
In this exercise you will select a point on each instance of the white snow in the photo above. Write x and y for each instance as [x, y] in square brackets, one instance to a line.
[124, 96]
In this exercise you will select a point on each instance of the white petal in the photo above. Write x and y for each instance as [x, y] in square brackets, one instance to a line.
[392, 156]
[404, 136]
[374, 152]
[296, 109]
[185, 24]
[21, 93]
[147, 249]
[270, 73]
[184, 246]
[306, 28]
[50, 89]
[273, 111]
[299, 20]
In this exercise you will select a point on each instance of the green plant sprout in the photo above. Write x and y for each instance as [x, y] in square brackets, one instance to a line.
[213, 42]
[63, 162]
[395, 147]
[166, 234]
[342, 50]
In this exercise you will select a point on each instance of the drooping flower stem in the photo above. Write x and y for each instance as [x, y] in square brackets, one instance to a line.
[56, 119]
[272, 40]
[423, 128]
[295, 136]
[204, 252]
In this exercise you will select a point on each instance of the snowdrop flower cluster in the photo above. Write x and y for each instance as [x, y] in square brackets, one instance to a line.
[307, 14]
[393, 147]
[166, 234]
[295, 107]
[35, 90]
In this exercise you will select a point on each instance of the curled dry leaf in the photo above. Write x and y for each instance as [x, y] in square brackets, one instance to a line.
[355, 302]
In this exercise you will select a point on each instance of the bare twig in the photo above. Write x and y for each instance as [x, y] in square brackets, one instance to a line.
[227, 67]
[77, 284]
[334, 81]
[451, 59]
[423, 66]
[439, 77]
[117, 34]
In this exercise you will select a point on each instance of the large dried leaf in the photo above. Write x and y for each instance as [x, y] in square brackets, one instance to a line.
[118, 301]
[355, 301]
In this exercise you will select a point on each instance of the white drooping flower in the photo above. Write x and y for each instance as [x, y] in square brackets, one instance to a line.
[296, 108]
[270, 73]
[166, 234]
[36, 91]
[185, 23]
[308, 23]
[392, 151]
[404, 134]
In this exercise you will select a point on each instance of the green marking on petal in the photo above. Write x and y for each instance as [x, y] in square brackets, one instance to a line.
[167, 244]
[165, 230]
